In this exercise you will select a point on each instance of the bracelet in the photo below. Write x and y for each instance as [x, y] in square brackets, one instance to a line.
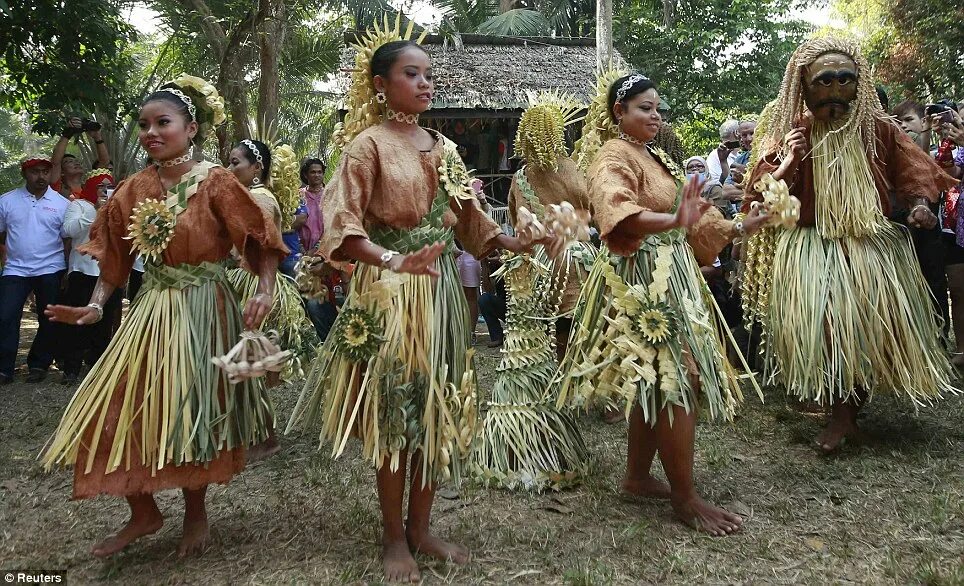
[740, 230]
[100, 310]
[920, 205]
[98, 142]
[387, 257]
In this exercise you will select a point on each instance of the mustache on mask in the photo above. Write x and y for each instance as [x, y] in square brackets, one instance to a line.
[823, 103]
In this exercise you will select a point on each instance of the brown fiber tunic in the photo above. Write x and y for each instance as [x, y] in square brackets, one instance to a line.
[221, 215]
[900, 166]
[384, 180]
[554, 187]
[624, 181]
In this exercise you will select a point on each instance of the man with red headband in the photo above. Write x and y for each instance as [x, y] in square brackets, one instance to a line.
[80, 344]
[31, 224]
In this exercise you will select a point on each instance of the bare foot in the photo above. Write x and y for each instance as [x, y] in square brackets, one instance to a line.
[433, 546]
[399, 564]
[957, 360]
[613, 415]
[807, 406]
[833, 436]
[703, 516]
[195, 536]
[265, 449]
[135, 529]
[650, 487]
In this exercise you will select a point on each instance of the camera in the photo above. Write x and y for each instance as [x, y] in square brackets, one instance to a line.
[943, 110]
[88, 125]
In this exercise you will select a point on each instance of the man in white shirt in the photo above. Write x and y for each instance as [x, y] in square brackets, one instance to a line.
[718, 161]
[31, 224]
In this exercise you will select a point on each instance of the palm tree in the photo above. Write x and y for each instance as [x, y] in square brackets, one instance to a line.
[526, 18]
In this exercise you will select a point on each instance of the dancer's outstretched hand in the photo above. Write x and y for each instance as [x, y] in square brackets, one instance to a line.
[421, 262]
[80, 316]
[691, 206]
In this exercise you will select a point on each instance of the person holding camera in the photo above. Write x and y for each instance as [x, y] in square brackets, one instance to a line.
[948, 132]
[718, 161]
[67, 173]
[81, 344]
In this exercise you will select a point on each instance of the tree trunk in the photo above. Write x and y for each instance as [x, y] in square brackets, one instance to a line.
[604, 34]
[270, 40]
[669, 13]
[230, 81]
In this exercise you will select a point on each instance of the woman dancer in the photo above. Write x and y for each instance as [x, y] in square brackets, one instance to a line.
[397, 370]
[154, 413]
[644, 331]
[271, 174]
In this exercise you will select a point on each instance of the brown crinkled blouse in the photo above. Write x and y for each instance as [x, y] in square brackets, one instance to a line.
[554, 187]
[384, 180]
[221, 215]
[269, 205]
[900, 166]
[624, 181]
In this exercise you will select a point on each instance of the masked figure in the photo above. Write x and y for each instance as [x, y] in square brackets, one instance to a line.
[843, 306]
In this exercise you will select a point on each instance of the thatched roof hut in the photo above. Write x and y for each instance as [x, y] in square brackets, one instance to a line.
[488, 76]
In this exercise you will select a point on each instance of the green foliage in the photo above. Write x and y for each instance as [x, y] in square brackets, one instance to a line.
[17, 144]
[524, 18]
[700, 134]
[308, 53]
[708, 58]
[916, 46]
[59, 56]
[727, 55]
[521, 22]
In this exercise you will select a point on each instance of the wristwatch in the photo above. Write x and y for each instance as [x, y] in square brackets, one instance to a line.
[387, 257]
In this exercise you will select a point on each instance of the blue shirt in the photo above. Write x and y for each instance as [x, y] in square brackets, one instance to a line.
[34, 228]
[291, 239]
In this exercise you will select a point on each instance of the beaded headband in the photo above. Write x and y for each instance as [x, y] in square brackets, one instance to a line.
[184, 98]
[628, 85]
[254, 150]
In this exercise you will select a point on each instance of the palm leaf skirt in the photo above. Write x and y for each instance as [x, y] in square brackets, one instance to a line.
[610, 359]
[853, 313]
[287, 317]
[397, 372]
[177, 407]
[526, 442]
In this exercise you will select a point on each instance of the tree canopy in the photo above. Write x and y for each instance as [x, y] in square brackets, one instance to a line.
[916, 46]
[62, 56]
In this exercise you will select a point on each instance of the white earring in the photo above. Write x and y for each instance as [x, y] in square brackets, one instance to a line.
[381, 98]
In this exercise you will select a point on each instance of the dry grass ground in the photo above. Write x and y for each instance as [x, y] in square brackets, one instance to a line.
[887, 511]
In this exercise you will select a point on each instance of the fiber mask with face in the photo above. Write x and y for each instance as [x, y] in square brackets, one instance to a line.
[830, 86]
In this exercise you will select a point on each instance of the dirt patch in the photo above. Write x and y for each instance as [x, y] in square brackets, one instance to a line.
[888, 510]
